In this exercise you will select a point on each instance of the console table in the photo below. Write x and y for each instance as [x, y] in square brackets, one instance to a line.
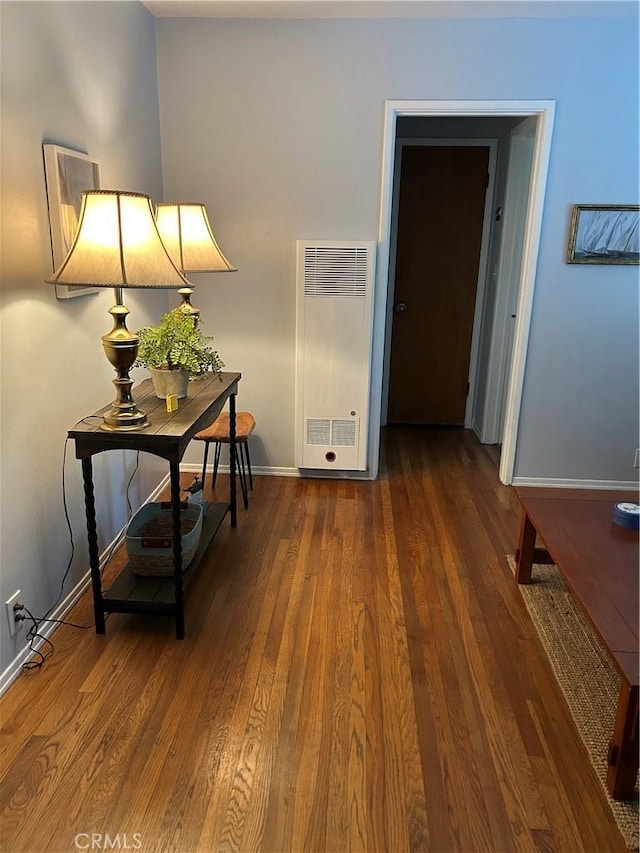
[599, 562]
[167, 436]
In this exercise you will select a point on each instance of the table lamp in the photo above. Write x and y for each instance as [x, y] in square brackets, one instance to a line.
[117, 245]
[185, 231]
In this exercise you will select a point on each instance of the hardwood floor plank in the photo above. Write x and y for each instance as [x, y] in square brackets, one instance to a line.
[292, 650]
[298, 754]
[337, 821]
[400, 796]
[317, 726]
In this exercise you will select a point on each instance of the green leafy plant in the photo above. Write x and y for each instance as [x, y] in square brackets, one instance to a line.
[177, 342]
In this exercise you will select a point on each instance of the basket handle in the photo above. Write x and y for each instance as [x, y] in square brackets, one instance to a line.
[156, 543]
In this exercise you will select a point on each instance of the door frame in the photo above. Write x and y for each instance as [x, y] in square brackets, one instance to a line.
[544, 112]
[499, 355]
[480, 142]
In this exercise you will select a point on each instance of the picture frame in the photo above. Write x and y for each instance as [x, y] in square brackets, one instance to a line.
[604, 234]
[67, 174]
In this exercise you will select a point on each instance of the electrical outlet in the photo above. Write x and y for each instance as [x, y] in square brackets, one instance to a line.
[11, 613]
[636, 460]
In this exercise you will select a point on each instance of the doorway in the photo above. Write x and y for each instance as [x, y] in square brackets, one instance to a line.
[441, 227]
[543, 112]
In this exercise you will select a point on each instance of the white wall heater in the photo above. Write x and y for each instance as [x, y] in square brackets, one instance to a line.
[334, 332]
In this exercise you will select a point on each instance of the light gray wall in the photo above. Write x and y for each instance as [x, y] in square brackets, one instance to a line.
[277, 126]
[82, 75]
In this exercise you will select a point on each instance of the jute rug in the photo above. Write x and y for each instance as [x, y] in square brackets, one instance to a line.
[587, 677]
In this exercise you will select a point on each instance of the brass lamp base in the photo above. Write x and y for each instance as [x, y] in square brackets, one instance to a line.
[121, 348]
[118, 421]
[186, 307]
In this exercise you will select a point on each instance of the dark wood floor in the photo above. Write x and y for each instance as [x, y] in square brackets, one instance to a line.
[359, 673]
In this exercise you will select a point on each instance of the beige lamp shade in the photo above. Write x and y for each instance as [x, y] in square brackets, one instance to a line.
[117, 245]
[187, 235]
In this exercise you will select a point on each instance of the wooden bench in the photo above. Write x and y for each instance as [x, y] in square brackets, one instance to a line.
[599, 563]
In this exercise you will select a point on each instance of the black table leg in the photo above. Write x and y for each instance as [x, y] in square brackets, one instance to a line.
[232, 459]
[177, 548]
[92, 536]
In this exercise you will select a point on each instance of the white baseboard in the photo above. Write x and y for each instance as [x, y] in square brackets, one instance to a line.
[260, 470]
[15, 667]
[284, 472]
[551, 483]
[326, 474]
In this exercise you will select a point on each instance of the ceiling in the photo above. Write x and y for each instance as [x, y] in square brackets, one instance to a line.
[391, 8]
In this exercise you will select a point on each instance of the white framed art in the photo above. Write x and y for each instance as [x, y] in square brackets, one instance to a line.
[67, 174]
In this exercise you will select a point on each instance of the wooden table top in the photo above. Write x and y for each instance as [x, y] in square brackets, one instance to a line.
[597, 558]
[168, 433]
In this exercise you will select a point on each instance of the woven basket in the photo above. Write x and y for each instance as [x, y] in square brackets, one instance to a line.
[149, 538]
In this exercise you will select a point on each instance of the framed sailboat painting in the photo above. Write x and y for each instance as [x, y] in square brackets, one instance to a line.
[604, 234]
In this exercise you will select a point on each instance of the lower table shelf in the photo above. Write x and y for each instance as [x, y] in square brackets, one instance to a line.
[131, 593]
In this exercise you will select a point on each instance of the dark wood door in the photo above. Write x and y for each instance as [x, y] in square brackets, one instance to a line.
[441, 210]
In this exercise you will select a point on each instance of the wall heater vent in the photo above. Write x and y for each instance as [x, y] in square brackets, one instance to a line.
[322, 431]
[334, 334]
[318, 431]
[335, 271]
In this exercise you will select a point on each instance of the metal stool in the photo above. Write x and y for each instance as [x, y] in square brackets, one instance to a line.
[218, 433]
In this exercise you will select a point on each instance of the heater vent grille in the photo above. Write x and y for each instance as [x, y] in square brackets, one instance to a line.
[343, 433]
[335, 271]
[324, 432]
[319, 431]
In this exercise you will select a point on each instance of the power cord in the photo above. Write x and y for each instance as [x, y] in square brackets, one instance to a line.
[69, 528]
[33, 633]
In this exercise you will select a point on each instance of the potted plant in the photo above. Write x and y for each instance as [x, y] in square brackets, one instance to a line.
[175, 350]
